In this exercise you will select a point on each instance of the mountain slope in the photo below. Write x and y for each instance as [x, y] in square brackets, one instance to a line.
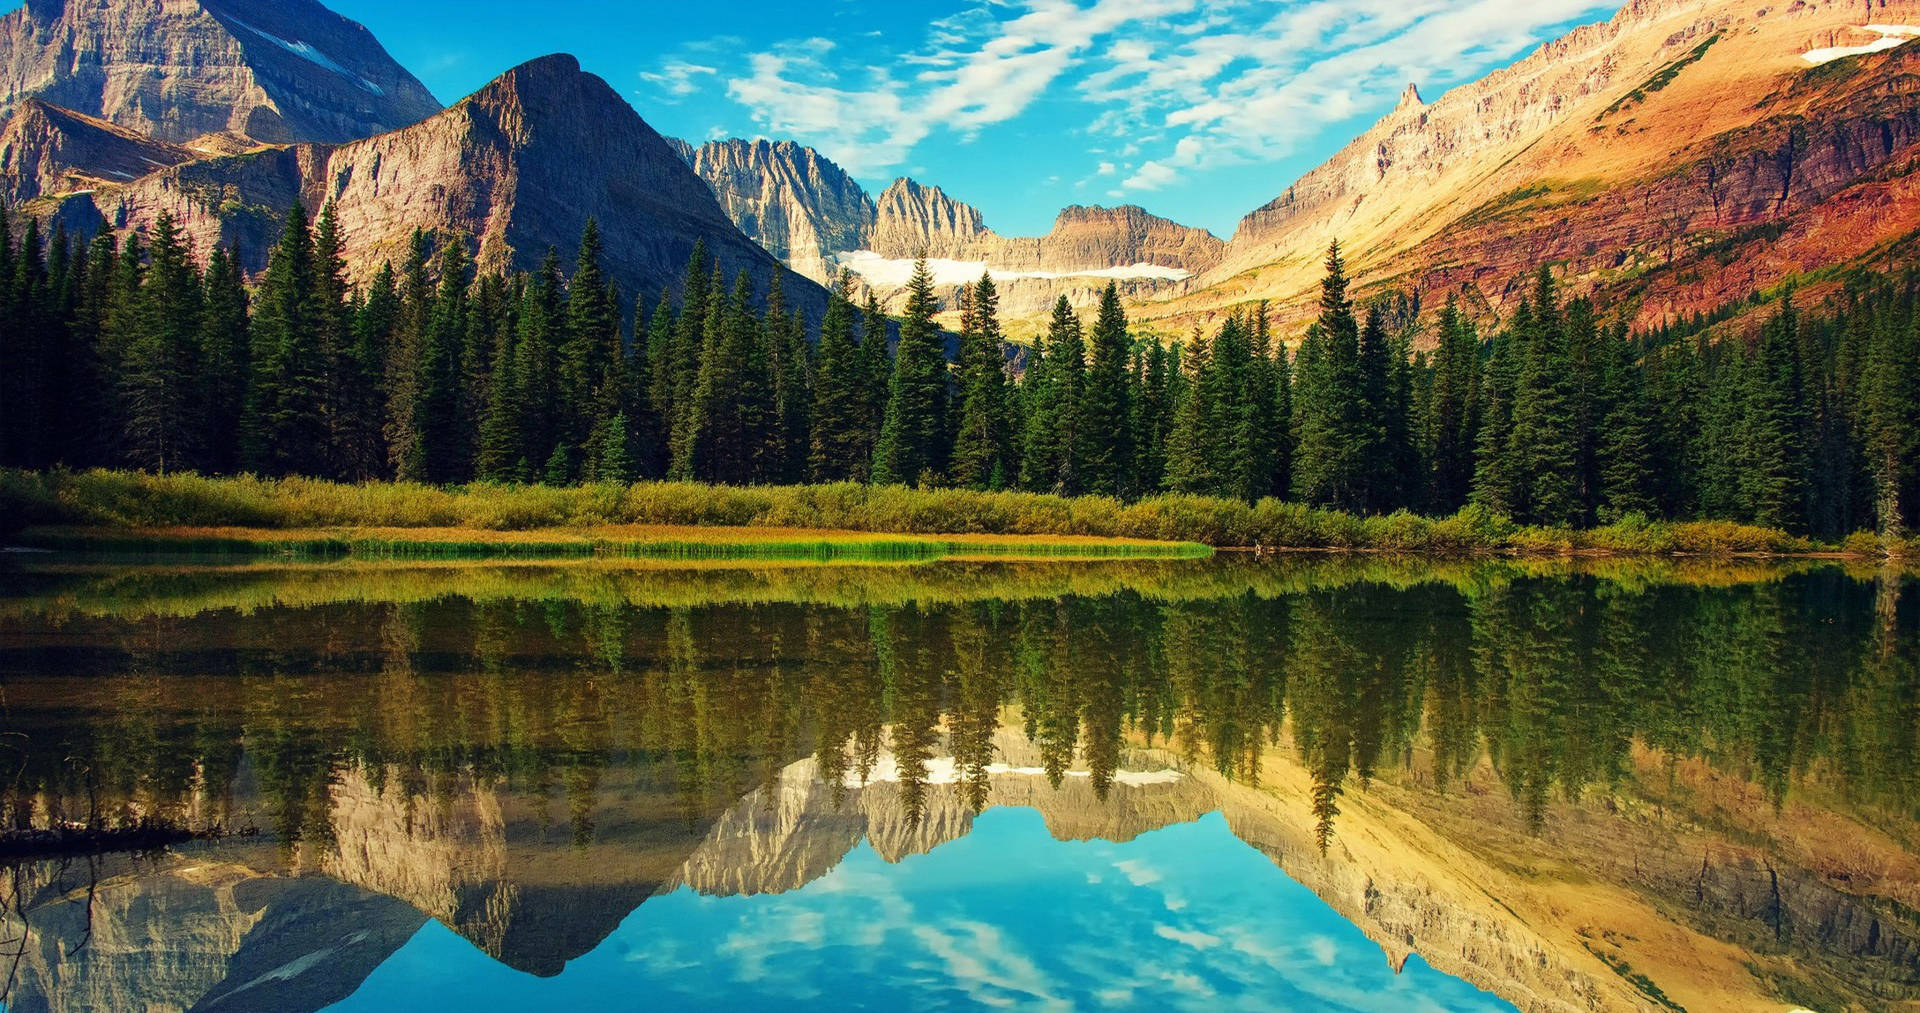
[1684, 153]
[279, 71]
[519, 167]
[45, 149]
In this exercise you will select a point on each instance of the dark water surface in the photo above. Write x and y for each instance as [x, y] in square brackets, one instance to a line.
[1227, 784]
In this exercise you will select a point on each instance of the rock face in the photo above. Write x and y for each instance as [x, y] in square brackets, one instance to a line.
[46, 150]
[915, 219]
[518, 168]
[279, 71]
[1674, 158]
[798, 205]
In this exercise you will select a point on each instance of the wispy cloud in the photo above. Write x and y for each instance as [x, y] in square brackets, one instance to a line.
[679, 78]
[1166, 87]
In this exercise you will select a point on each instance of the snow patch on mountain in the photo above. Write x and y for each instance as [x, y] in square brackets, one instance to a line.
[894, 272]
[313, 56]
[1891, 37]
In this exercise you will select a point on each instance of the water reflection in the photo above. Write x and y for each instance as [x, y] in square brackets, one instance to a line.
[1609, 786]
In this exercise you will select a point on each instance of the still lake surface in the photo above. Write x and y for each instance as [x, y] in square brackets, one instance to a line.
[1301, 784]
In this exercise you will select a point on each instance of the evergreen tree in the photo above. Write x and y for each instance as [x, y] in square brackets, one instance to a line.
[910, 449]
[445, 445]
[406, 347]
[1545, 446]
[1890, 413]
[1451, 417]
[982, 454]
[839, 409]
[287, 433]
[1330, 415]
[224, 351]
[1190, 454]
[1108, 467]
[1051, 447]
[159, 380]
[1624, 443]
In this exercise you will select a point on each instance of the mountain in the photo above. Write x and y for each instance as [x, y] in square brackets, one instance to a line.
[45, 149]
[798, 205]
[278, 71]
[817, 219]
[519, 167]
[1675, 158]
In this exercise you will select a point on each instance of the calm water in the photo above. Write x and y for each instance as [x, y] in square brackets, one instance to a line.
[1297, 785]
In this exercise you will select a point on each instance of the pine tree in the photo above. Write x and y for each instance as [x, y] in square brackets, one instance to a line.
[224, 352]
[1379, 476]
[1330, 419]
[983, 447]
[1545, 444]
[1190, 454]
[1053, 441]
[838, 409]
[1890, 413]
[287, 435]
[1623, 443]
[1153, 416]
[406, 347]
[912, 431]
[159, 381]
[1108, 468]
[440, 417]
[348, 401]
[589, 346]
[1451, 421]
[1774, 468]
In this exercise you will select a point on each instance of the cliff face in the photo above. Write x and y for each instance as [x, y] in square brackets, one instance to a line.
[45, 149]
[518, 168]
[1675, 157]
[798, 205]
[278, 71]
[914, 219]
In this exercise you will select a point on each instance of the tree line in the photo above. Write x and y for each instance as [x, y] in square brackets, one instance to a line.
[136, 354]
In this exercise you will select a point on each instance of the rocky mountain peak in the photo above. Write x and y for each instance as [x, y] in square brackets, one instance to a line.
[47, 150]
[789, 198]
[915, 219]
[279, 71]
[1410, 100]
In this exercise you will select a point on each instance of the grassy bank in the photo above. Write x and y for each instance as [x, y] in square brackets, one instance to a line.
[665, 518]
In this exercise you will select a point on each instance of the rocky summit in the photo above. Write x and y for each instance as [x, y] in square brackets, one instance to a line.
[520, 166]
[278, 71]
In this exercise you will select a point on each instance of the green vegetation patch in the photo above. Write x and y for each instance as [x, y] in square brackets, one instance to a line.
[1659, 81]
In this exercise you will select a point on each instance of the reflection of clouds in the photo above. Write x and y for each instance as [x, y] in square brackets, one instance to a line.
[1185, 918]
[1197, 940]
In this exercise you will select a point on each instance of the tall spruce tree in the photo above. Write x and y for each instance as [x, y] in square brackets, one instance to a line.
[158, 383]
[1545, 444]
[982, 454]
[838, 396]
[1333, 434]
[912, 431]
[287, 434]
[1108, 468]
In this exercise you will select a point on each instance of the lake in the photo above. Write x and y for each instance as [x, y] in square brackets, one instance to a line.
[1303, 784]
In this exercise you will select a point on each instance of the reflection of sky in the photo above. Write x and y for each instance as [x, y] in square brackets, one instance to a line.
[1182, 918]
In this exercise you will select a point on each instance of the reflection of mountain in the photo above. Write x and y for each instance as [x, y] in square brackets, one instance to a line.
[789, 833]
[193, 932]
[523, 884]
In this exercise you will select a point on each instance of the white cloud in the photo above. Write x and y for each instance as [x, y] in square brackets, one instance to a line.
[678, 78]
[976, 71]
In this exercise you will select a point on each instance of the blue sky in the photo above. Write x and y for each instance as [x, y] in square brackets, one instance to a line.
[1200, 110]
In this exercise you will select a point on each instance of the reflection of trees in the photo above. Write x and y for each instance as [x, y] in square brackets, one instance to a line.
[1552, 680]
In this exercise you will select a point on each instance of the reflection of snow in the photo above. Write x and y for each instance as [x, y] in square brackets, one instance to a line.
[943, 770]
[313, 56]
[1891, 36]
[890, 272]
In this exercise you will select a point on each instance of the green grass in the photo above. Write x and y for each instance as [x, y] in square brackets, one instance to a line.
[1660, 79]
[137, 512]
